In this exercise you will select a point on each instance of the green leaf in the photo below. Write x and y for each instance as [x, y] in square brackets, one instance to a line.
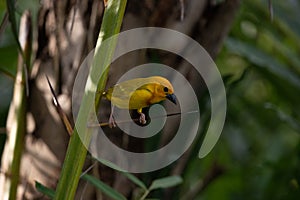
[131, 177]
[284, 117]
[135, 180]
[46, 191]
[263, 60]
[109, 191]
[109, 164]
[166, 182]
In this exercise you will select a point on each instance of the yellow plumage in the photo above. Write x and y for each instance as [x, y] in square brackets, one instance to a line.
[140, 93]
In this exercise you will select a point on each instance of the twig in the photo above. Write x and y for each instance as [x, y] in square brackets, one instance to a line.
[88, 169]
[60, 111]
[270, 9]
[136, 119]
[181, 10]
[73, 17]
[24, 39]
[3, 23]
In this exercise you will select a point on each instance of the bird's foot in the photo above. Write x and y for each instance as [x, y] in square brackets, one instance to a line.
[111, 121]
[142, 118]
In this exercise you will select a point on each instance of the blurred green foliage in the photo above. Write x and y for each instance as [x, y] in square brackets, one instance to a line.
[259, 147]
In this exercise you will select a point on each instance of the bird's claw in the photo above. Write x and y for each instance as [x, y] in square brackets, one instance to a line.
[143, 118]
[111, 122]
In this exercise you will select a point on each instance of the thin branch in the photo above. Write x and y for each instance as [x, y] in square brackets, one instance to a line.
[137, 119]
[88, 169]
[181, 10]
[60, 111]
[24, 46]
[73, 17]
[3, 23]
[270, 9]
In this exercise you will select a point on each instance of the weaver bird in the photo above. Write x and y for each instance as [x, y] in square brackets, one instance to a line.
[139, 93]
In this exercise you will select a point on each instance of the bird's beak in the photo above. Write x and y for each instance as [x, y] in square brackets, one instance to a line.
[171, 97]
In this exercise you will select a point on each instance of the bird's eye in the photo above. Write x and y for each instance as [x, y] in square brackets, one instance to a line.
[166, 89]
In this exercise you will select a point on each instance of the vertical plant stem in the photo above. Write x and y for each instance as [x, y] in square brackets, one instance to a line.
[16, 122]
[76, 152]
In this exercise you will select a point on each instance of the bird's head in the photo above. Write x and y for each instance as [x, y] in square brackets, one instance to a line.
[163, 89]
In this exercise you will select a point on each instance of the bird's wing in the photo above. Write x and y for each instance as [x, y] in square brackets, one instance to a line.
[122, 94]
[140, 98]
[126, 91]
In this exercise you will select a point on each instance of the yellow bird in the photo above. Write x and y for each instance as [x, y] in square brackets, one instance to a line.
[139, 93]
